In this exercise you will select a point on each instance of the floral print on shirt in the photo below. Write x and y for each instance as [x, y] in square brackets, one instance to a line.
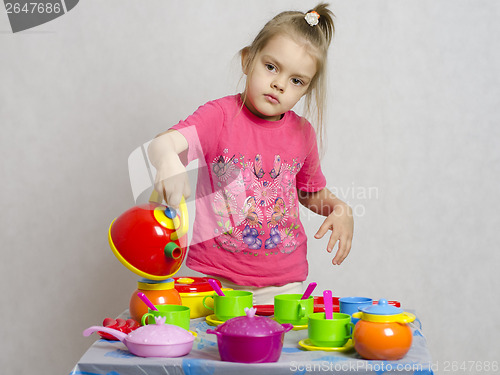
[256, 210]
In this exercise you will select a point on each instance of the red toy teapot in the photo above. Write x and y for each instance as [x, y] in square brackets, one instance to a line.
[151, 239]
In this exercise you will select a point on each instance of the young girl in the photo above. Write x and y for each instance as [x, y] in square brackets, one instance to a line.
[257, 161]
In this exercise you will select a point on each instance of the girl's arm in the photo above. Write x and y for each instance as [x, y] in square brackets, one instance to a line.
[339, 220]
[171, 178]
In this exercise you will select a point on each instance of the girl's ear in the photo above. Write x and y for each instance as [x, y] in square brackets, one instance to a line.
[244, 59]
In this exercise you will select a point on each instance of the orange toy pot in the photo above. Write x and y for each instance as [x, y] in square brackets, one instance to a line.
[382, 333]
[158, 292]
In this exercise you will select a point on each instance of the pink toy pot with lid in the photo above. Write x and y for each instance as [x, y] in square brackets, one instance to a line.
[153, 340]
[250, 338]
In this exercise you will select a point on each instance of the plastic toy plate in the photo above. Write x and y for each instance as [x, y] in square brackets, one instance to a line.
[265, 310]
[213, 320]
[319, 304]
[308, 345]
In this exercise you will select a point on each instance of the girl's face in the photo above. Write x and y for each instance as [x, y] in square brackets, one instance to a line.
[282, 74]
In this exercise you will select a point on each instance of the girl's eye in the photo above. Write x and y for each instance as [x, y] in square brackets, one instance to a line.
[297, 82]
[270, 67]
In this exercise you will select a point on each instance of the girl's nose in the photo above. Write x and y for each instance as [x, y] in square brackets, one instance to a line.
[278, 85]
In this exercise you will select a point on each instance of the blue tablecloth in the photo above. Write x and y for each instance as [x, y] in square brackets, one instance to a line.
[112, 358]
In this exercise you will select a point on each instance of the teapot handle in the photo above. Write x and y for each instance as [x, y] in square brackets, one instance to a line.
[184, 216]
[184, 225]
[155, 197]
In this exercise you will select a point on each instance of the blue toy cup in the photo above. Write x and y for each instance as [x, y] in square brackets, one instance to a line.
[350, 305]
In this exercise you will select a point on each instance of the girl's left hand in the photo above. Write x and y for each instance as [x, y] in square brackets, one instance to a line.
[341, 223]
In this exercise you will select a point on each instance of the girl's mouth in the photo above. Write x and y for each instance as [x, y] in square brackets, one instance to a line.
[271, 99]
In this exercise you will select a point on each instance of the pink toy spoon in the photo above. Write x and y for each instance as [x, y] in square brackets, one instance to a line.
[309, 290]
[327, 300]
[215, 287]
[146, 300]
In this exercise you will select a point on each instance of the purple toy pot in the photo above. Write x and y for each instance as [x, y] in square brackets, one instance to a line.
[250, 338]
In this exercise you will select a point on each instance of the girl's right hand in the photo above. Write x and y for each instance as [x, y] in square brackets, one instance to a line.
[172, 181]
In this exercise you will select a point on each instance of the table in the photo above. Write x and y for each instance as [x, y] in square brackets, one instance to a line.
[112, 358]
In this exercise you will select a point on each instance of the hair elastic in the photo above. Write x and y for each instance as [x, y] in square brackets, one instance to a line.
[312, 18]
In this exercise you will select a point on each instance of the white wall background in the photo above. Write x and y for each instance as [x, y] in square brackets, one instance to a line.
[412, 114]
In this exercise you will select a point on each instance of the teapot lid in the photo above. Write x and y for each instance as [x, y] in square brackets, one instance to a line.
[250, 325]
[382, 308]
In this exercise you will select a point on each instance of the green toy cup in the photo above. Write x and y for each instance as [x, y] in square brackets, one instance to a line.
[231, 305]
[329, 333]
[174, 314]
[290, 308]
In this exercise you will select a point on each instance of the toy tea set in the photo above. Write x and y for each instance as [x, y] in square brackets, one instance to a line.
[151, 241]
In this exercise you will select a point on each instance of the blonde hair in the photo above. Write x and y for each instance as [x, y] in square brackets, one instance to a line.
[319, 37]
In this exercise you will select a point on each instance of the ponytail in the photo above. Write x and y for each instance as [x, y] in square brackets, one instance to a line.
[325, 21]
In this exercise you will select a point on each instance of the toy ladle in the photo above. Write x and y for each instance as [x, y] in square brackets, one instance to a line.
[309, 290]
[146, 300]
[215, 287]
[327, 300]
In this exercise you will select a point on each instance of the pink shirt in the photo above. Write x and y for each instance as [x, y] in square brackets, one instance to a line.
[247, 227]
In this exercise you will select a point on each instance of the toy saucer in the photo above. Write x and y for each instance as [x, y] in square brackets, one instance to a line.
[193, 333]
[213, 320]
[308, 345]
[264, 310]
[295, 327]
